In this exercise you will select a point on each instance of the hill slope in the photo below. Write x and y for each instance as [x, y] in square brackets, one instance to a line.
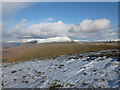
[88, 70]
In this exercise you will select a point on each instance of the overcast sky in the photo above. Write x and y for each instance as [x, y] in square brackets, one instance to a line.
[77, 20]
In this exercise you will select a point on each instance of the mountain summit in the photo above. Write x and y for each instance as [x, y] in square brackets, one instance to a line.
[48, 40]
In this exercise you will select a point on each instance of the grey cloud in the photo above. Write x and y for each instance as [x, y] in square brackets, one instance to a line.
[87, 29]
[9, 9]
[45, 29]
[91, 25]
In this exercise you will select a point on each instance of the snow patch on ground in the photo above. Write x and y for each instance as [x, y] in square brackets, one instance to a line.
[64, 72]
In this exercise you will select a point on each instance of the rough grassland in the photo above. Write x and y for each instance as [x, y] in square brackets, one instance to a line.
[43, 51]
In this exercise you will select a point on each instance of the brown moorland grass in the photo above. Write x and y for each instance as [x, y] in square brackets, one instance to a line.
[43, 51]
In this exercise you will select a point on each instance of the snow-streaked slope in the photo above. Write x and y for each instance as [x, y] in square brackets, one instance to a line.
[63, 71]
[76, 40]
[108, 40]
[49, 40]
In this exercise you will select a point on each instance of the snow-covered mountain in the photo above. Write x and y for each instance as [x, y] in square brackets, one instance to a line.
[109, 40]
[48, 40]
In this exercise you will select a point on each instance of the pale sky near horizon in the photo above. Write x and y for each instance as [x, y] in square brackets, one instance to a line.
[77, 20]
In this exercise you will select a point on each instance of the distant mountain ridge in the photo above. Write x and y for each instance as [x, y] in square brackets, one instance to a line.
[59, 40]
[48, 40]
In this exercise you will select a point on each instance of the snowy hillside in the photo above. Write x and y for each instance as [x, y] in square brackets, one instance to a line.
[79, 71]
[49, 40]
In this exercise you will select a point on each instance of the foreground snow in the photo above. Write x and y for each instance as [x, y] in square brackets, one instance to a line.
[77, 71]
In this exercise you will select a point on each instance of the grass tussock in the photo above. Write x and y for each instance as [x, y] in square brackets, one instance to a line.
[44, 51]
